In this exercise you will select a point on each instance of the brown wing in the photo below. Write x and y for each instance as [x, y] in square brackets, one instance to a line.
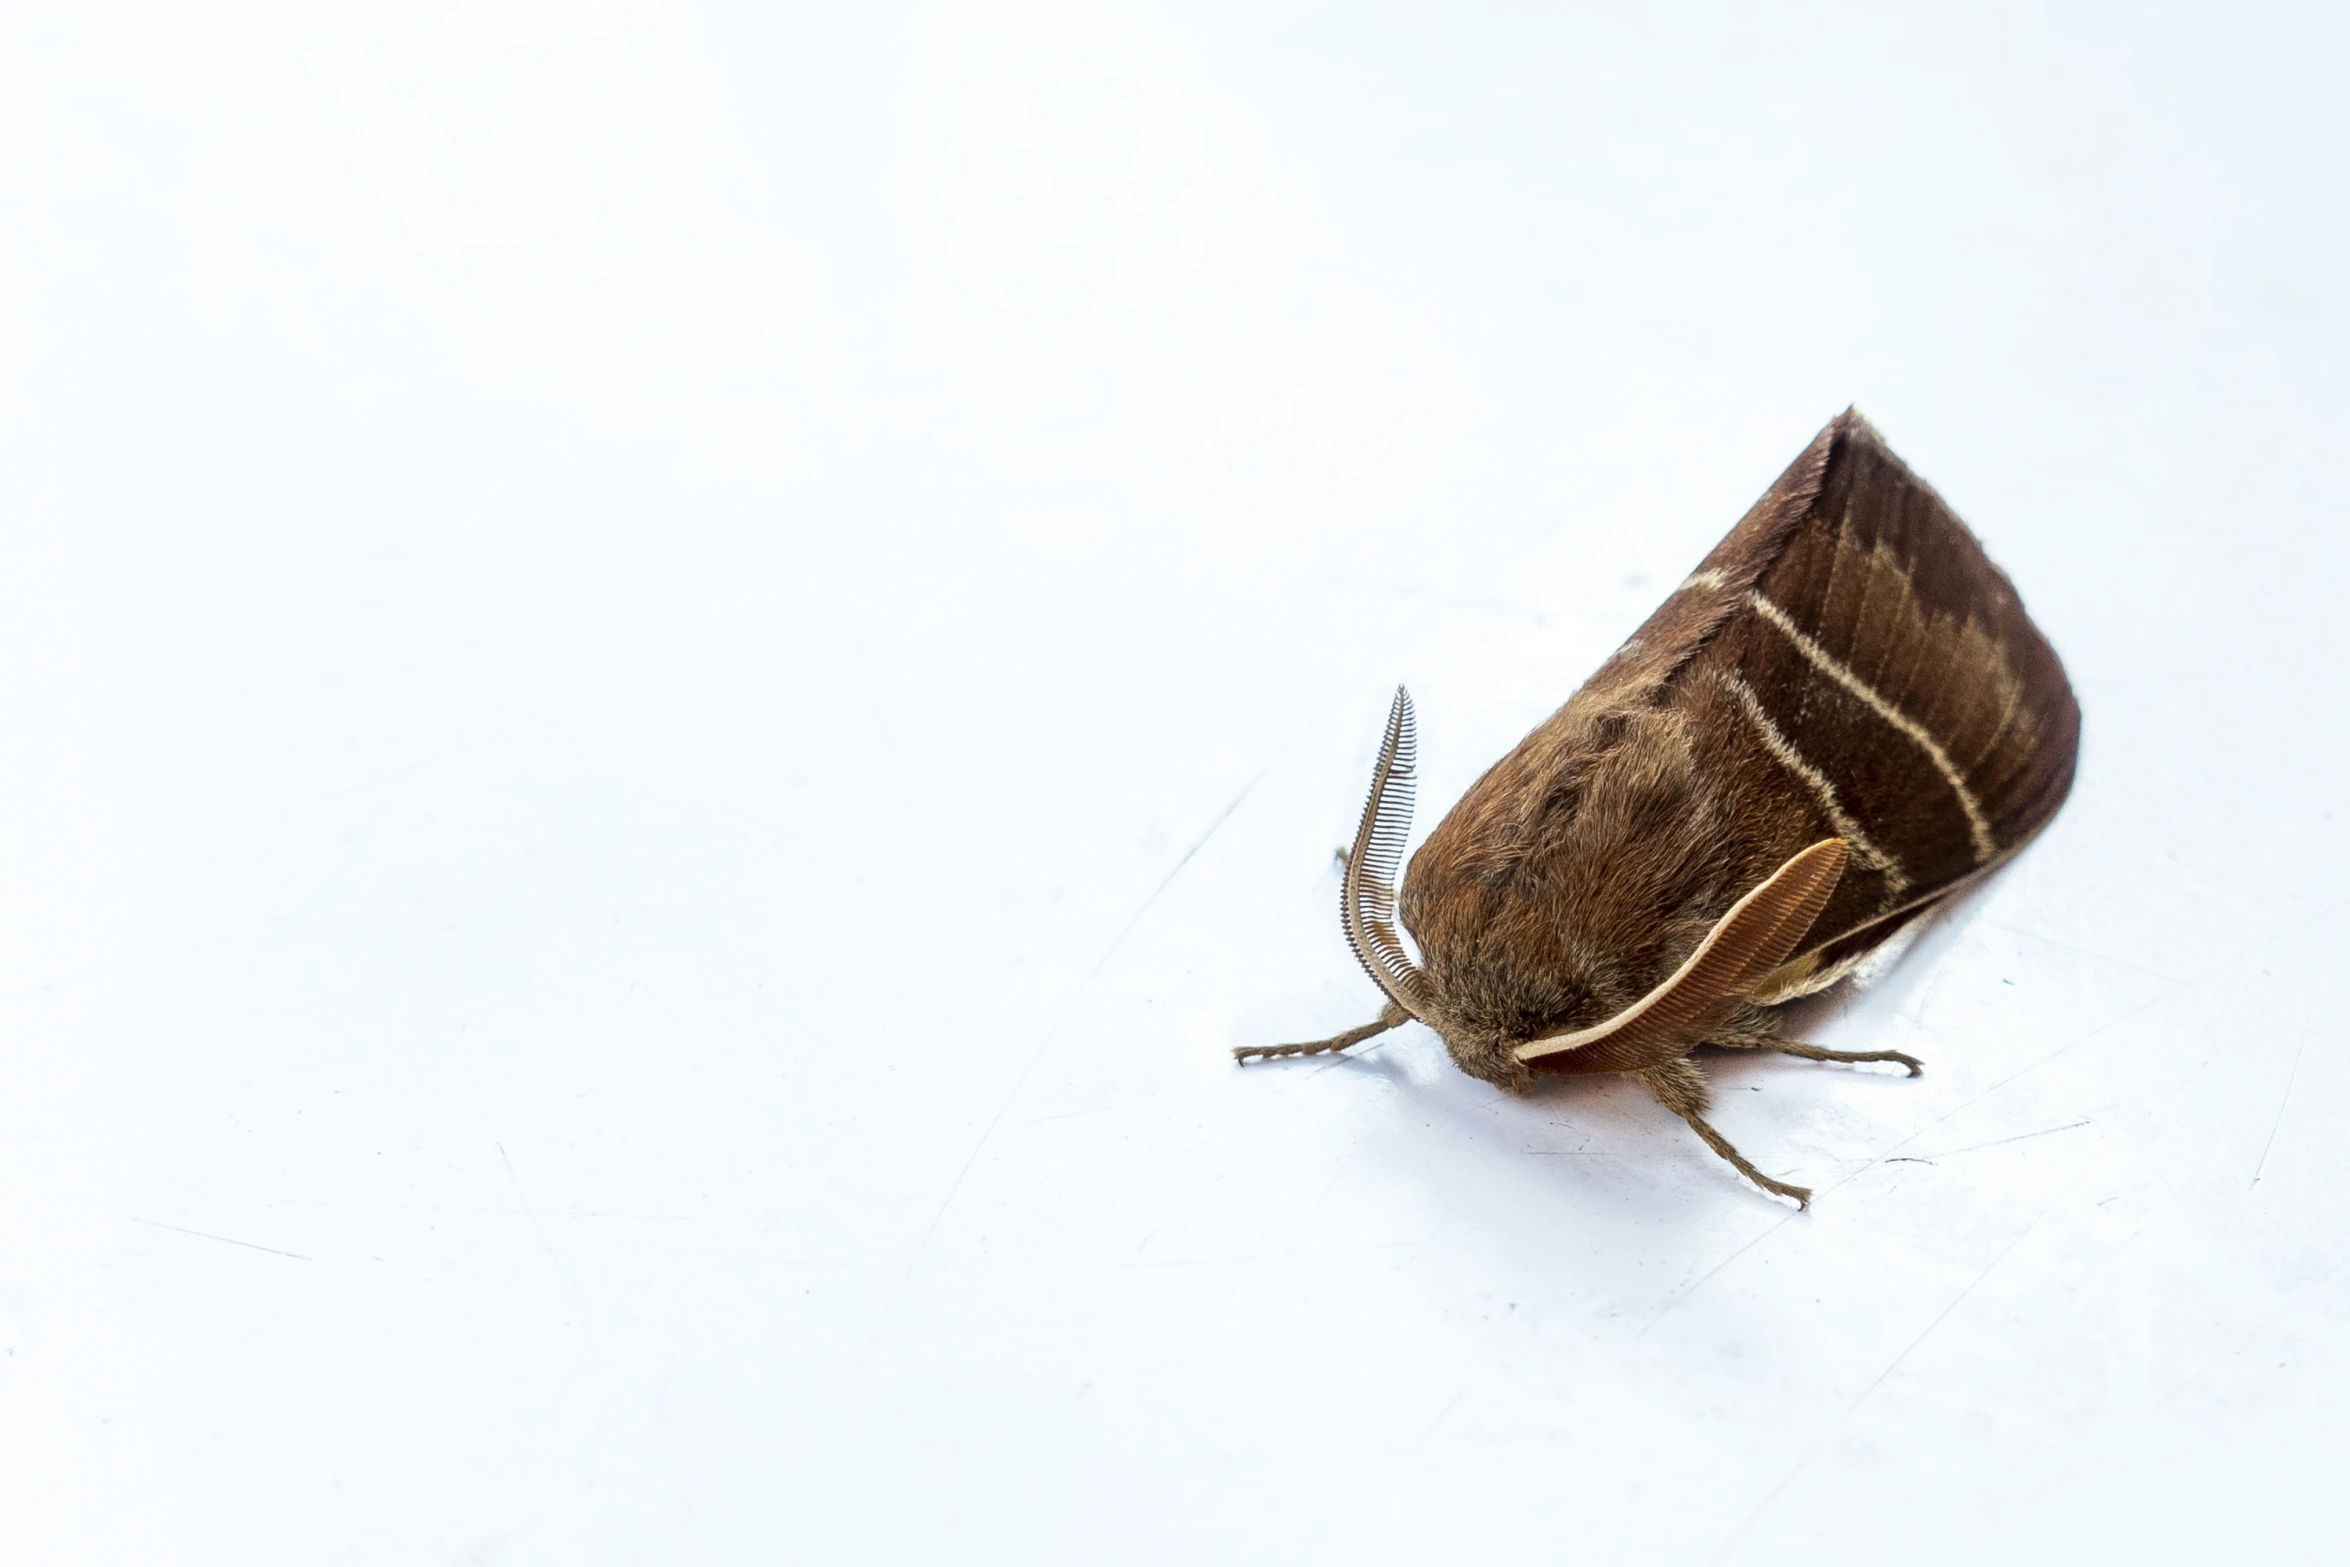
[1714, 593]
[1504, 815]
[1845, 664]
[1885, 672]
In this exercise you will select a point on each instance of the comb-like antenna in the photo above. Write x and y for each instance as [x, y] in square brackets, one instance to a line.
[1367, 902]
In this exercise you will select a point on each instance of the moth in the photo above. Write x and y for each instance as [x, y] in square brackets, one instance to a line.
[1839, 720]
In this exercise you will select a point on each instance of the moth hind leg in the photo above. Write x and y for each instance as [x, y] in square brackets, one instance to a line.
[1390, 1016]
[1681, 1088]
[1789, 1047]
[1757, 1028]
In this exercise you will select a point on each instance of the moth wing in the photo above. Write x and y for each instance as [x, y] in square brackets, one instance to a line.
[1883, 670]
[1857, 952]
[1758, 934]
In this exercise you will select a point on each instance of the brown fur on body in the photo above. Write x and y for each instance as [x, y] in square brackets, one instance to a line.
[1845, 664]
[1593, 863]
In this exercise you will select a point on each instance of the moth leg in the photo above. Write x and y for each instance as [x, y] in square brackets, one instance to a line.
[1789, 1047]
[1757, 1028]
[1680, 1087]
[1390, 1016]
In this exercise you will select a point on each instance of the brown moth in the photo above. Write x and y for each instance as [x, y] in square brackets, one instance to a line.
[1842, 717]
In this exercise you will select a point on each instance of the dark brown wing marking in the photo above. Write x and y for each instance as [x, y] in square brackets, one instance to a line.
[1894, 660]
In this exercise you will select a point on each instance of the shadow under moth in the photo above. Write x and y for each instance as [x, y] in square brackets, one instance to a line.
[1841, 718]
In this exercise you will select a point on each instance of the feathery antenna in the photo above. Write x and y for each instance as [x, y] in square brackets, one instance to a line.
[1375, 865]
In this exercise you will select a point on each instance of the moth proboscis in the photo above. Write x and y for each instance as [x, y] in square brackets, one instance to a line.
[1842, 717]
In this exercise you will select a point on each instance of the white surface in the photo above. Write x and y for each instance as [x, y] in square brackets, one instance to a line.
[673, 675]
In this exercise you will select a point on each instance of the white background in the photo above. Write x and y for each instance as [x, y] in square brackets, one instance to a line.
[672, 675]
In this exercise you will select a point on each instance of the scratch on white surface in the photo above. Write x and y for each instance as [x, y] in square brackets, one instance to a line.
[1889, 1156]
[1354, 1053]
[2067, 1472]
[523, 1197]
[1450, 1405]
[458, 1207]
[905, 1276]
[1996, 1142]
[1867, 1393]
[1066, 1115]
[225, 1240]
[2090, 954]
[1706, 1277]
[1263, 1266]
[2069, 1045]
[390, 775]
[2299, 925]
[2291, 1078]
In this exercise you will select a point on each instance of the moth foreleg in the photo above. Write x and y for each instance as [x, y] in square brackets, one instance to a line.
[1390, 1016]
[1681, 1088]
[1789, 1047]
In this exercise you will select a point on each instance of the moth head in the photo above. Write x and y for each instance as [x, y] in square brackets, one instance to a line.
[1758, 934]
